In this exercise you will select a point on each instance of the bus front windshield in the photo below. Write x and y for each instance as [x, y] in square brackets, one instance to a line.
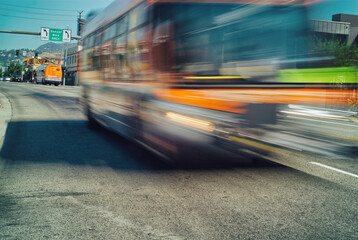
[212, 37]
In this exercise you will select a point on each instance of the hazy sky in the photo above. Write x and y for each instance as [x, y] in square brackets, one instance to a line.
[31, 15]
[325, 9]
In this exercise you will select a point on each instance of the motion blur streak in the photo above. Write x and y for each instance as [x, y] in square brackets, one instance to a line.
[187, 76]
[201, 124]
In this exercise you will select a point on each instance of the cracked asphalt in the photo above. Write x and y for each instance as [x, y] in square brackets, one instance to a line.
[60, 180]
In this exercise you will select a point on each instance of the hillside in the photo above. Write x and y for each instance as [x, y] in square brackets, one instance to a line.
[51, 47]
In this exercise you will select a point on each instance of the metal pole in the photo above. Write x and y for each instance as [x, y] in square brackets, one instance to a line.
[64, 77]
[33, 33]
[20, 32]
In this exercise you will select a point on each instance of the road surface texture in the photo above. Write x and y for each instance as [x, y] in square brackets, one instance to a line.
[60, 180]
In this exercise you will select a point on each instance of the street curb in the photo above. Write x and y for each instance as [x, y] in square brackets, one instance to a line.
[5, 117]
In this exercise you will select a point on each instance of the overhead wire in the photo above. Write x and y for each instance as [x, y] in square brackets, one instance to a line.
[49, 9]
[42, 19]
[38, 13]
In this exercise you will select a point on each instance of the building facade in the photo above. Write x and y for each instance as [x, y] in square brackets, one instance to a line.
[343, 28]
[71, 65]
[353, 30]
[331, 30]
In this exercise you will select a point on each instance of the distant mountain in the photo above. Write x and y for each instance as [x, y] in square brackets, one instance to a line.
[49, 50]
[52, 47]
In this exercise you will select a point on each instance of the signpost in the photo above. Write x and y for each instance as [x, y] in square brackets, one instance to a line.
[66, 36]
[55, 35]
[45, 33]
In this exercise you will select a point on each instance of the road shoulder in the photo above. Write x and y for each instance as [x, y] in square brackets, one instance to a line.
[5, 117]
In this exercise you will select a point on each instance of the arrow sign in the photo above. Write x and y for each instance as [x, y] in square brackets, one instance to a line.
[45, 34]
[66, 36]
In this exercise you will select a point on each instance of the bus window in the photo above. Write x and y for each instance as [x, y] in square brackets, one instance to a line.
[98, 38]
[137, 16]
[122, 25]
[120, 52]
[137, 61]
[163, 46]
[109, 33]
[207, 38]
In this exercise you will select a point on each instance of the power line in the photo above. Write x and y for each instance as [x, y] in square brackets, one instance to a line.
[42, 19]
[50, 14]
[51, 9]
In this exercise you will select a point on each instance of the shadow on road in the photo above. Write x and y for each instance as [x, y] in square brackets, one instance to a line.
[67, 102]
[71, 142]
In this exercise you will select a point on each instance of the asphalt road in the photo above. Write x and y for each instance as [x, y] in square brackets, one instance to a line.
[60, 180]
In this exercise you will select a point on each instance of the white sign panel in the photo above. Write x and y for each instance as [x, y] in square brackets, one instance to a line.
[45, 34]
[66, 37]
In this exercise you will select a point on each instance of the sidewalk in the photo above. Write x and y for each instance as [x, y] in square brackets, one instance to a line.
[5, 117]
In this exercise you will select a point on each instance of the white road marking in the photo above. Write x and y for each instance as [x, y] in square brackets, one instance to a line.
[335, 169]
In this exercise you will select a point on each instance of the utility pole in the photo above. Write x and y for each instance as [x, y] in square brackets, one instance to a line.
[65, 70]
[80, 23]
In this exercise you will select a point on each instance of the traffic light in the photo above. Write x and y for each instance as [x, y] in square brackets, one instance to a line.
[36, 55]
[17, 52]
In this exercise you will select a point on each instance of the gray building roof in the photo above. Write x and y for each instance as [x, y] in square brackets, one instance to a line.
[330, 27]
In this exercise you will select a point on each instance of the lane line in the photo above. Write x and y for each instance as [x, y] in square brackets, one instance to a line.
[335, 169]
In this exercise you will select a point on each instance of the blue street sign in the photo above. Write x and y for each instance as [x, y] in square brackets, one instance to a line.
[22, 64]
[65, 59]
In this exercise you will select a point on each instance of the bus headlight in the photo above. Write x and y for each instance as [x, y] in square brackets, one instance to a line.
[192, 122]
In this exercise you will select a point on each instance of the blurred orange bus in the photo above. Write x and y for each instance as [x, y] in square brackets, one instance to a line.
[49, 74]
[191, 78]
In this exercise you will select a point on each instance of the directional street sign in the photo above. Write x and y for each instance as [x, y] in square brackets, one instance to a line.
[45, 33]
[66, 35]
[56, 35]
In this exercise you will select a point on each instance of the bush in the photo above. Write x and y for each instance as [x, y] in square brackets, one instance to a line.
[344, 55]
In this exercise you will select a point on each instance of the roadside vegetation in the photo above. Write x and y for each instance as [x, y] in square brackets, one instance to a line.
[15, 69]
[343, 55]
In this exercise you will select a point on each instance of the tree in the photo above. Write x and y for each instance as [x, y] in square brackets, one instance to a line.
[344, 55]
[13, 69]
[27, 75]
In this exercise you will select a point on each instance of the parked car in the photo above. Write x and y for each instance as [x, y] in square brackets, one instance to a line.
[16, 78]
[6, 78]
